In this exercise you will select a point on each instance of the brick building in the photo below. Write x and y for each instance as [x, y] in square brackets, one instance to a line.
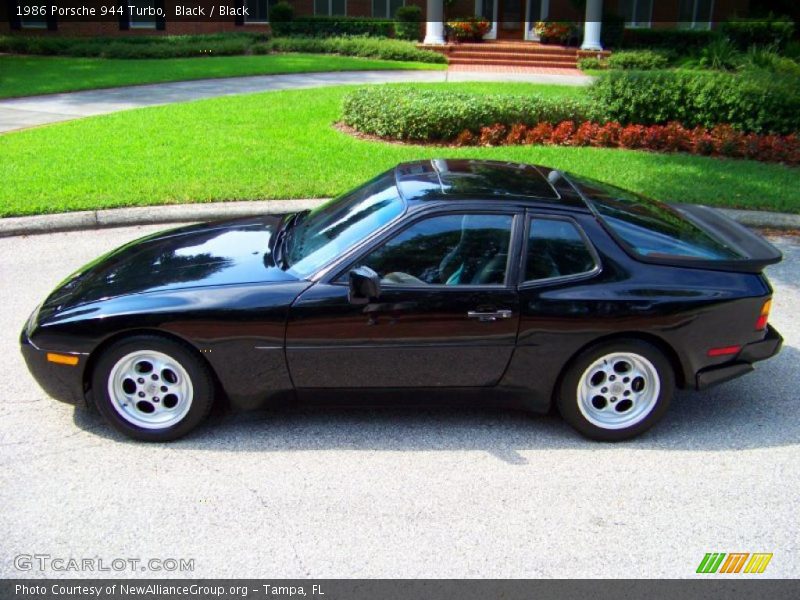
[511, 19]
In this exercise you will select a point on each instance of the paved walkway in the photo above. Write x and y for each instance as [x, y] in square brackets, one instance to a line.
[21, 113]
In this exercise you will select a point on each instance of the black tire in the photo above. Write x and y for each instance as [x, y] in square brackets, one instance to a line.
[569, 402]
[196, 405]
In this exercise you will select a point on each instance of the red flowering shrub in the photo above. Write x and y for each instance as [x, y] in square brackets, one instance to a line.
[494, 135]
[793, 149]
[471, 29]
[539, 134]
[465, 138]
[721, 140]
[751, 146]
[585, 133]
[516, 135]
[608, 135]
[676, 138]
[632, 137]
[727, 140]
[654, 138]
[562, 134]
[702, 142]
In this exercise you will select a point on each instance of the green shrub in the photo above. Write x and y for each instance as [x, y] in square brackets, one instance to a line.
[592, 63]
[643, 60]
[170, 46]
[324, 27]
[770, 31]
[281, 12]
[767, 59]
[367, 47]
[792, 50]
[407, 113]
[721, 55]
[682, 41]
[407, 25]
[751, 101]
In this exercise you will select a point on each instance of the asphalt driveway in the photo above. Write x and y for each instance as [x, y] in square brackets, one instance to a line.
[32, 111]
[396, 492]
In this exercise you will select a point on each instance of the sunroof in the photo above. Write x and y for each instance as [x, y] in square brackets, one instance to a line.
[473, 178]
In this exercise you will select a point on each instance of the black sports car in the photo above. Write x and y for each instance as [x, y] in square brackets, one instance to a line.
[501, 281]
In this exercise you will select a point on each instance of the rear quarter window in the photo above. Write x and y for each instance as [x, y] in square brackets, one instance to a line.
[556, 249]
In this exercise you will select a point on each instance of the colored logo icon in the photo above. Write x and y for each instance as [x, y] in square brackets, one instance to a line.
[734, 562]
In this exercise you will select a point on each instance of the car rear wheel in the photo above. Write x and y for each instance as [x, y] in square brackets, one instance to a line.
[151, 388]
[616, 390]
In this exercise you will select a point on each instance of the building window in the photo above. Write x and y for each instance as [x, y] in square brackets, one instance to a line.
[386, 9]
[695, 14]
[142, 14]
[637, 13]
[32, 17]
[257, 11]
[330, 8]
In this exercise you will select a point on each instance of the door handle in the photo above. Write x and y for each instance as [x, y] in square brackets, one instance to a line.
[490, 315]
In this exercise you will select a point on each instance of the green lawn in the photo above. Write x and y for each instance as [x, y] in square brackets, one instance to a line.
[282, 145]
[29, 75]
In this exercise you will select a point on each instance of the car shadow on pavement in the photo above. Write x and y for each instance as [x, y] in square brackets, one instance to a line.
[756, 411]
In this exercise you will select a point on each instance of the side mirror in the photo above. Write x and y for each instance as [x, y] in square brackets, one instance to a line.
[365, 285]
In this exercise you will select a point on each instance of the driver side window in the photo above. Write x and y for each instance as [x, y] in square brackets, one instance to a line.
[453, 249]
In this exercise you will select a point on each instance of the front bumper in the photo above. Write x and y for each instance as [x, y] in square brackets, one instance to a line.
[743, 363]
[62, 382]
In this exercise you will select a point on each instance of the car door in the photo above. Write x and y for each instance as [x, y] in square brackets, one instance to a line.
[447, 314]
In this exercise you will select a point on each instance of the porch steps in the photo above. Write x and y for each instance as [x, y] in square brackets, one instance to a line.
[517, 59]
[509, 54]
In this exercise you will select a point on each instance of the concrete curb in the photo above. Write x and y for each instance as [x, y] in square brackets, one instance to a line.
[148, 215]
[187, 213]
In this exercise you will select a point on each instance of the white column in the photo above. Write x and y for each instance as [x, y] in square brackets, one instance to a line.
[591, 29]
[434, 27]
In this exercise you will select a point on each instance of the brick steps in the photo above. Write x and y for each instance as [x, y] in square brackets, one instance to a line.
[514, 56]
[488, 62]
[509, 54]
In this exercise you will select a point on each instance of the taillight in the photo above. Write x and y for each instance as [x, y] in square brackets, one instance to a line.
[764, 316]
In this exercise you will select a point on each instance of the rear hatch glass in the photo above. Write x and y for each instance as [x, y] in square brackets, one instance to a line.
[685, 234]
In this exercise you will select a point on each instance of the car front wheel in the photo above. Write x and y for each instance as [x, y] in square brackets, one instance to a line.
[152, 388]
[616, 390]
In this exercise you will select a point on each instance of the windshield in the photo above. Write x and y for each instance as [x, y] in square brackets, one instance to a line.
[336, 226]
[651, 228]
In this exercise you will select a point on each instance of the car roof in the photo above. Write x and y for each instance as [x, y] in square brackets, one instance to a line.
[488, 180]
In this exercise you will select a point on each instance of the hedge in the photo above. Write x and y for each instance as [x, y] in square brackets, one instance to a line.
[407, 25]
[637, 59]
[751, 101]
[324, 27]
[366, 47]
[684, 41]
[721, 140]
[170, 46]
[771, 31]
[404, 113]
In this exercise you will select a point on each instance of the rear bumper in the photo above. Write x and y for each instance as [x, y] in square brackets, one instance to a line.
[743, 363]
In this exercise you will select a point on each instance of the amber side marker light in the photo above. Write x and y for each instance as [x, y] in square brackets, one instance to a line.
[62, 359]
[764, 316]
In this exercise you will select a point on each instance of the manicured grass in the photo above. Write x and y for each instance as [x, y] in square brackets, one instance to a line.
[282, 145]
[30, 75]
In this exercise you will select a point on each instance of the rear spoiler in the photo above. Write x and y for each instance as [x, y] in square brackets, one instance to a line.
[756, 252]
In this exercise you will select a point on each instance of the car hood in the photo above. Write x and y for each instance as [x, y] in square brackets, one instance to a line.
[209, 254]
